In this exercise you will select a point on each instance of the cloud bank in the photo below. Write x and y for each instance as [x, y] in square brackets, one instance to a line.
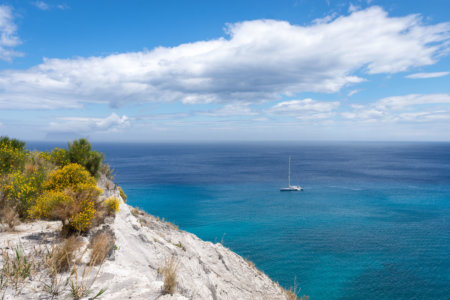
[427, 75]
[8, 34]
[83, 125]
[260, 60]
[407, 108]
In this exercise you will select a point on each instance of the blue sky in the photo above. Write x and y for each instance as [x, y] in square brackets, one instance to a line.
[225, 70]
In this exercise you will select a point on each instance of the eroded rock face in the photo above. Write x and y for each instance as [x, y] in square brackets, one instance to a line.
[136, 268]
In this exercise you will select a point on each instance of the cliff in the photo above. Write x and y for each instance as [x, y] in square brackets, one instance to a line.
[150, 259]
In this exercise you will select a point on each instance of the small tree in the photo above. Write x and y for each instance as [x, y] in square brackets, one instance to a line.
[80, 152]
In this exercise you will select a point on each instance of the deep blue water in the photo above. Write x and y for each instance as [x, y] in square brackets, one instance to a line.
[372, 223]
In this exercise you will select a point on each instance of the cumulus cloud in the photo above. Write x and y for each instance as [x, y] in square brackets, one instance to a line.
[408, 108]
[8, 34]
[427, 75]
[89, 125]
[305, 109]
[259, 60]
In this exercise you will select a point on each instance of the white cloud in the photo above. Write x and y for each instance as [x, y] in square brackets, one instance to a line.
[353, 8]
[407, 108]
[232, 109]
[352, 92]
[8, 34]
[305, 109]
[260, 60]
[89, 125]
[41, 5]
[427, 75]
[63, 6]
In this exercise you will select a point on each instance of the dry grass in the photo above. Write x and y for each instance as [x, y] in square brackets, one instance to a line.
[101, 244]
[169, 272]
[62, 257]
[81, 282]
[16, 268]
[293, 291]
[9, 216]
[110, 185]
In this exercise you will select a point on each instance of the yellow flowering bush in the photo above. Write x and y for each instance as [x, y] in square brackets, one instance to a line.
[112, 205]
[69, 176]
[70, 196]
[21, 190]
[12, 154]
[56, 185]
[122, 194]
[52, 205]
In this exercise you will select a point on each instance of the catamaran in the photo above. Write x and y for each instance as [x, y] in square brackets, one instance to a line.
[291, 188]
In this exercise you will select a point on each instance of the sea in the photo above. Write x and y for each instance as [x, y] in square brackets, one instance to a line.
[373, 221]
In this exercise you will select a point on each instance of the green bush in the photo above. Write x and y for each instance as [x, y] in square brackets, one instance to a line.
[59, 157]
[80, 152]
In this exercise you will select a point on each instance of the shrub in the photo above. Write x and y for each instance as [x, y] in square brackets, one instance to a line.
[59, 157]
[106, 170]
[52, 205]
[101, 244]
[80, 152]
[12, 154]
[69, 176]
[122, 194]
[71, 196]
[21, 190]
[82, 220]
[112, 205]
[83, 212]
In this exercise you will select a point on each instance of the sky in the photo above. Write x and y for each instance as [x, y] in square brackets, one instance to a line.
[171, 71]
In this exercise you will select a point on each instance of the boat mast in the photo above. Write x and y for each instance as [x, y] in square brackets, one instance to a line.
[289, 172]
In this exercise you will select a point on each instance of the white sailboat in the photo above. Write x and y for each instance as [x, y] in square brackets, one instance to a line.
[291, 188]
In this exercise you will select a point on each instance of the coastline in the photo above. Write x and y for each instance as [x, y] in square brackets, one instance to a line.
[144, 245]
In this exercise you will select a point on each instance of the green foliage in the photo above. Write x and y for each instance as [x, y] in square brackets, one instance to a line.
[59, 157]
[12, 154]
[80, 152]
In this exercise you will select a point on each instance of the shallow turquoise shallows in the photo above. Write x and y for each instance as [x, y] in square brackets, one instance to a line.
[373, 221]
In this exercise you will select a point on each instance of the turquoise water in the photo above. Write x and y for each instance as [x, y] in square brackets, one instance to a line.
[372, 223]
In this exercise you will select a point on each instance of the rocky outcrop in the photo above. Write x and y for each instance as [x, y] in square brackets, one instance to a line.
[134, 269]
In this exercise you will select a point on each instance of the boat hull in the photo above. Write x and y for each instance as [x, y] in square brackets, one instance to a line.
[292, 189]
